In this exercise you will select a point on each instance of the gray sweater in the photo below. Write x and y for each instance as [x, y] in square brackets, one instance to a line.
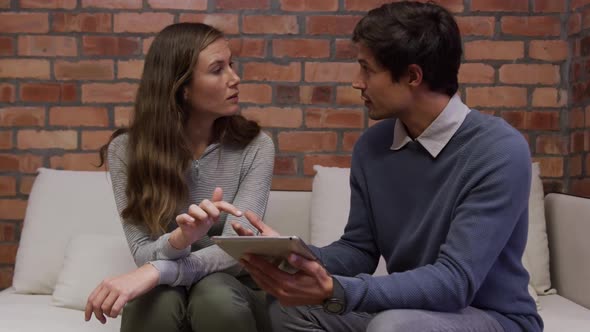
[245, 176]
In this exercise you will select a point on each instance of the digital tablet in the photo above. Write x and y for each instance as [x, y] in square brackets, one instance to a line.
[275, 248]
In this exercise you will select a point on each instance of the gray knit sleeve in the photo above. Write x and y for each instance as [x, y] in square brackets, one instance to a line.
[143, 247]
[252, 194]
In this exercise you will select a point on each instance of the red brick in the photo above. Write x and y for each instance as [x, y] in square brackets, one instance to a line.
[531, 26]
[330, 71]
[587, 169]
[551, 167]
[5, 4]
[576, 118]
[7, 231]
[84, 70]
[129, 69]
[551, 144]
[258, 71]
[287, 94]
[110, 46]
[349, 139]
[93, 140]
[248, 47]
[529, 74]
[476, 73]
[545, 6]
[47, 139]
[585, 18]
[549, 97]
[147, 42]
[108, 92]
[8, 251]
[6, 140]
[331, 25]
[24, 68]
[577, 142]
[575, 166]
[50, 4]
[292, 183]
[6, 275]
[270, 24]
[26, 184]
[47, 46]
[301, 48]
[274, 117]
[47, 92]
[123, 116]
[581, 187]
[7, 187]
[574, 24]
[496, 97]
[255, 93]
[307, 141]
[24, 163]
[82, 22]
[476, 25]
[340, 118]
[22, 116]
[366, 5]
[76, 161]
[327, 160]
[499, 6]
[12, 209]
[345, 49]
[24, 22]
[576, 4]
[113, 4]
[228, 23]
[136, 22]
[316, 94]
[549, 50]
[309, 5]
[178, 4]
[532, 120]
[79, 116]
[347, 95]
[285, 166]
[7, 93]
[243, 4]
[588, 115]
[6, 46]
[494, 50]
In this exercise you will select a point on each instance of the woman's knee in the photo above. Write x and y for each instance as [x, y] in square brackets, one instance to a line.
[162, 308]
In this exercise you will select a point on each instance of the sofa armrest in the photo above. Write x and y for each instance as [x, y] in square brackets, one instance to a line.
[568, 228]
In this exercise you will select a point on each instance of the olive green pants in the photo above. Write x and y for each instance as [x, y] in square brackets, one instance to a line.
[219, 302]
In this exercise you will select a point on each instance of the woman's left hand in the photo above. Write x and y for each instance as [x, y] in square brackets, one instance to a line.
[111, 295]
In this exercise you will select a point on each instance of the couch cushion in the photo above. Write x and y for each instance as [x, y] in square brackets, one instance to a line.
[28, 313]
[61, 204]
[89, 259]
[330, 204]
[536, 252]
[561, 315]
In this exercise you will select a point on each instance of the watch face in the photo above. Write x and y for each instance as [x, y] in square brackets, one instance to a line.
[334, 306]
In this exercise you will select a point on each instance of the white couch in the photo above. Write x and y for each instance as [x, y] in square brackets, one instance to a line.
[64, 204]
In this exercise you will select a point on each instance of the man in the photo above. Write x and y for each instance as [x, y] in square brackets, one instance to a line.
[439, 190]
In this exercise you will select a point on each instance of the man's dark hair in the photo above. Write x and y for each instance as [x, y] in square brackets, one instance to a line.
[404, 33]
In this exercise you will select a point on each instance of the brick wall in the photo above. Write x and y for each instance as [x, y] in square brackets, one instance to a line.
[69, 70]
[578, 126]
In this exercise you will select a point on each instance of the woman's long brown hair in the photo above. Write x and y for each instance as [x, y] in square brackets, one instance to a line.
[158, 152]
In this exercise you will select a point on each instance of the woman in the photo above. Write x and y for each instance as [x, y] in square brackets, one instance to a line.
[186, 144]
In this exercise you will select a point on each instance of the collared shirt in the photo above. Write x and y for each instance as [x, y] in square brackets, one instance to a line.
[440, 131]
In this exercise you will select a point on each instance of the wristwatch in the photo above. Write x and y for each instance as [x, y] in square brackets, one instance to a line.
[337, 303]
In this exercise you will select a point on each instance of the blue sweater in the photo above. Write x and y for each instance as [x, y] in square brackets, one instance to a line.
[452, 229]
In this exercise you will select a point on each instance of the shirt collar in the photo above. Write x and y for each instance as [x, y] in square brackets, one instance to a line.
[440, 131]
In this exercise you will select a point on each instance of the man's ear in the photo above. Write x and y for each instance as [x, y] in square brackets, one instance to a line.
[415, 75]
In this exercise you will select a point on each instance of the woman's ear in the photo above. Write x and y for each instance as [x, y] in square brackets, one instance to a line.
[185, 93]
